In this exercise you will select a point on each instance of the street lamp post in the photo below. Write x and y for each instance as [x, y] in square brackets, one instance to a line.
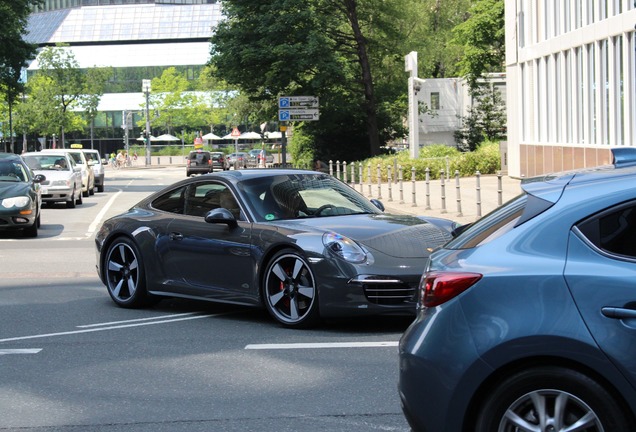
[145, 84]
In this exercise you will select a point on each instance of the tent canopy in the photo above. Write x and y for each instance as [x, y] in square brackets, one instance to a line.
[211, 136]
[152, 138]
[165, 137]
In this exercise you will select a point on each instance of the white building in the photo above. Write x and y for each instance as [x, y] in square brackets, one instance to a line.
[571, 82]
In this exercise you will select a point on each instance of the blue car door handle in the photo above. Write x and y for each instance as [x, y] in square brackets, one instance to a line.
[176, 236]
[618, 313]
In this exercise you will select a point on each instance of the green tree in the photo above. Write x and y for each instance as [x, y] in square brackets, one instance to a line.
[486, 119]
[14, 53]
[483, 37]
[66, 85]
[292, 47]
[95, 81]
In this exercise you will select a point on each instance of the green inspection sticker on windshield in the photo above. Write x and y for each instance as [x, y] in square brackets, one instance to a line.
[269, 217]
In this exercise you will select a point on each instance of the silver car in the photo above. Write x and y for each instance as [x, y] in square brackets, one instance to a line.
[95, 162]
[63, 181]
[88, 176]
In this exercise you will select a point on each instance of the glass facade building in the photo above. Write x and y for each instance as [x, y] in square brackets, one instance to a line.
[137, 39]
[571, 75]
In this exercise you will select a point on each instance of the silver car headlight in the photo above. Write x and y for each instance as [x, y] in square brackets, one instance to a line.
[60, 183]
[17, 202]
[344, 247]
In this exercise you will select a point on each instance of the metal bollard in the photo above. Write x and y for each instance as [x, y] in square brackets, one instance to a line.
[338, 176]
[401, 180]
[344, 171]
[389, 181]
[459, 194]
[369, 177]
[443, 186]
[499, 188]
[478, 192]
[413, 185]
[353, 174]
[360, 176]
[428, 188]
[330, 167]
[379, 182]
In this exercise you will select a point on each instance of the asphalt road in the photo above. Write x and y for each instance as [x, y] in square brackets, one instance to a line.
[70, 360]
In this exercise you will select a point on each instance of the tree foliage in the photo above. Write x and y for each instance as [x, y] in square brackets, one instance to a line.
[58, 92]
[14, 53]
[483, 37]
[486, 119]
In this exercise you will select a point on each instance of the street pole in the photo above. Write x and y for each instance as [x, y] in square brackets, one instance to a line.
[146, 89]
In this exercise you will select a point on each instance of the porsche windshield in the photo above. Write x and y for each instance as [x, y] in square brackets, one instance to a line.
[303, 195]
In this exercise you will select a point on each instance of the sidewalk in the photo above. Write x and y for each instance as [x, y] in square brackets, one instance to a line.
[492, 193]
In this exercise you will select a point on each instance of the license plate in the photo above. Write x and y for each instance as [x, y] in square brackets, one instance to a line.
[44, 190]
[193, 163]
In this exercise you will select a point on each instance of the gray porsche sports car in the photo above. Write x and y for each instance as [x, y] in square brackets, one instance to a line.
[302, 244]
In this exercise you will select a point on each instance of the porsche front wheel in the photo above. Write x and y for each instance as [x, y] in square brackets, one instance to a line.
[289, 290]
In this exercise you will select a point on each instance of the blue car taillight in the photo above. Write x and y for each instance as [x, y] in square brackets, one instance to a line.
[439, 287]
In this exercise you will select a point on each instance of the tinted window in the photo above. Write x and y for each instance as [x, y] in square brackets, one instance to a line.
[197, 199]
[613, 230]
[299, 196]
[491, 226]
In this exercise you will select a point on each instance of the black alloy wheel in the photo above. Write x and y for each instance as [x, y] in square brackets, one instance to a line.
[124, 274]
[289, 290]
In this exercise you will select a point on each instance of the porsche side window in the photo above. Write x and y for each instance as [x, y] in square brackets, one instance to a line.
[613, 230]
[171, 201]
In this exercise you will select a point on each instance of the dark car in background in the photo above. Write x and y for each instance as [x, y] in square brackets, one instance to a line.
[301, 244]
[238, 160]
[20, 198]
[198, 162]
[527, 319]
[219, 161]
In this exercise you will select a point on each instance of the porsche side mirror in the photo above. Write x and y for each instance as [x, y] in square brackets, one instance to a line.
[221, 216]
[378, 204]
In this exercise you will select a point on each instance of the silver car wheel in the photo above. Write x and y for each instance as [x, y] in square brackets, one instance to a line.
[550, 411]
[290, 290]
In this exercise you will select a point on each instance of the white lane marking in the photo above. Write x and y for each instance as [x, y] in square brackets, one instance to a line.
[114, 327]
[322, 345]
[138, 320]
[20, 351]
[93, 226]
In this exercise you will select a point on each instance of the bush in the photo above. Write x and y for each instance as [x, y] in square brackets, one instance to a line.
[485, 159]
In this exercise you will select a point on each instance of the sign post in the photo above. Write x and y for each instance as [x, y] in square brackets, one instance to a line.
[236, 134]
[295, 108]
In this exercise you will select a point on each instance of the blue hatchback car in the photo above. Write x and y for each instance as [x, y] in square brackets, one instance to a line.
[527, 319]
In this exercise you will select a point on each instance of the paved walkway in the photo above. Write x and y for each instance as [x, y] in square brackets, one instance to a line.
[460, 204]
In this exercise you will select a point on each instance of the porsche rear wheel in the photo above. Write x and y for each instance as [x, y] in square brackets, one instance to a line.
[124, 274]
[289, 290]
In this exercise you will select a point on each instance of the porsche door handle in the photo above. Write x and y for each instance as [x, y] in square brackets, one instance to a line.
[176, 236]
[618, 313]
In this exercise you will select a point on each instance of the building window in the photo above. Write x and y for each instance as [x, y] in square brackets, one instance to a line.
[435, 101]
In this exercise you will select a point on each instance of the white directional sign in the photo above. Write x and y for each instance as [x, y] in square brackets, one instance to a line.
[298, 115]
[285, 102]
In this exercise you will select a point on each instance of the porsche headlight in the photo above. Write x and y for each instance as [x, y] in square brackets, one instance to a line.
[17, 202]
[344, 247]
